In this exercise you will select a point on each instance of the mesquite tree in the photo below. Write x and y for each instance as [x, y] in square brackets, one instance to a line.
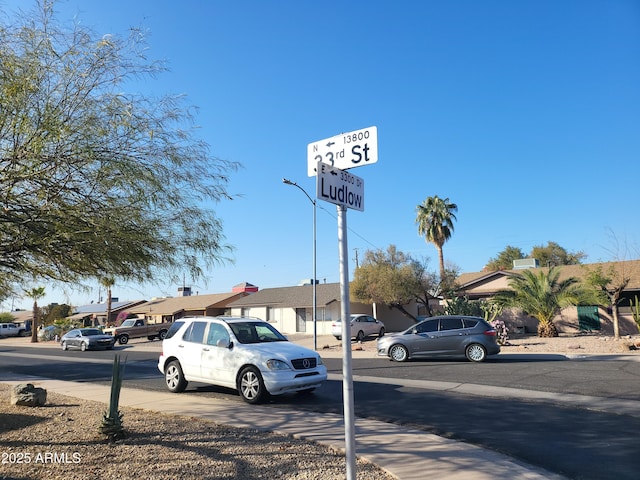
[97, 178]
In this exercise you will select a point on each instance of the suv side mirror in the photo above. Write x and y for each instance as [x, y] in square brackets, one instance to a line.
[223, 343]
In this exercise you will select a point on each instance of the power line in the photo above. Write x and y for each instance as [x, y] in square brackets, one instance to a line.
[349, 228]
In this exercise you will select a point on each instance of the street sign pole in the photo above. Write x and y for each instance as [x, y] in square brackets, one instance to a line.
[327, 160]
[347, 381]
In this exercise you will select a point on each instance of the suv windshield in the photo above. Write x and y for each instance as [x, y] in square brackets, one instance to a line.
[256, 332]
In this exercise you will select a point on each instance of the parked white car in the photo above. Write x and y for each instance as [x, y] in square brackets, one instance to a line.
[361, 327]
[12, 330]
[245, 354]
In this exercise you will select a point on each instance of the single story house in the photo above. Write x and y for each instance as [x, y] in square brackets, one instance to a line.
[23, 317]
[96, 313]
[483, 285]
[84, 315]
[290, 309]
[169, 309]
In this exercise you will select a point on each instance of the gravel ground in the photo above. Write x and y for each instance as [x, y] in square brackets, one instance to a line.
[578, 344]
[60, 440]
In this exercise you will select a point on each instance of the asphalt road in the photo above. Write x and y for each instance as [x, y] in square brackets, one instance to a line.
[571, 440]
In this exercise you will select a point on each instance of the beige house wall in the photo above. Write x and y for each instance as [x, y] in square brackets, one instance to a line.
[567, 321]
[394, 320]
[284, 318]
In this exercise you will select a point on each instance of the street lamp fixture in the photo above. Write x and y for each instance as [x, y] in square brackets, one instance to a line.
[313, 280]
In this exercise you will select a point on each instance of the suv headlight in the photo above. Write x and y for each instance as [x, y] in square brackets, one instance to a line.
[274, 364]
[319, 361]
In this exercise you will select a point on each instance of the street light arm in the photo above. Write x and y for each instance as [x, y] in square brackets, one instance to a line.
[289, 182]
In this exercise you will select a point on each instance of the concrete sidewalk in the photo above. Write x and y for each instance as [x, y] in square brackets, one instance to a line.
[404, 452]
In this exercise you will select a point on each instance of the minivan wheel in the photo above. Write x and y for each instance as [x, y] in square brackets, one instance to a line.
[174, 378]
[251, 386]
[475, 353]
[399, 353]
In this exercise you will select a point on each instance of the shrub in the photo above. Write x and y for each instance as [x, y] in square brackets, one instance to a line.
[502, 332]
[111, 424]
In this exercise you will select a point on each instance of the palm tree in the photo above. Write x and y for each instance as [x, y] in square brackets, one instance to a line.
[35, 293]
[108, 282]
[542, 295]
[435, 222]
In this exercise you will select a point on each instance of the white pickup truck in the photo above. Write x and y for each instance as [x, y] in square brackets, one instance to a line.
[12, 330]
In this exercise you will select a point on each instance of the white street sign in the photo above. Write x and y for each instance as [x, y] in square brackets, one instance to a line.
[347, 150]
[337, 186]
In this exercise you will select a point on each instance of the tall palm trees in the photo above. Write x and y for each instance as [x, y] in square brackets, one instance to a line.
[435, 222]
[108, 282]
[35, 293]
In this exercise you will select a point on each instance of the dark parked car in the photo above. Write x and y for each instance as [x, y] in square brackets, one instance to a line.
[456, 335]
[86, 339]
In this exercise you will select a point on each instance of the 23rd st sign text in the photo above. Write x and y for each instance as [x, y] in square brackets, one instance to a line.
[347, 150]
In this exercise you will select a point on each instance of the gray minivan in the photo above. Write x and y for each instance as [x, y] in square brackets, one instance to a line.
[450, 335]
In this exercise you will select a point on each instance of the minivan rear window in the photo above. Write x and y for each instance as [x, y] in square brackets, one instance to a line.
[450, 323]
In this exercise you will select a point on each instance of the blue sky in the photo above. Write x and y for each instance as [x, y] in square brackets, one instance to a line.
[525, 114]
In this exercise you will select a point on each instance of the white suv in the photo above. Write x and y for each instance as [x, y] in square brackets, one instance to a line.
[246, 354]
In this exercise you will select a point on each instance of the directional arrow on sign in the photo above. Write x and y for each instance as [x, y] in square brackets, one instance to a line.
[339, 187]
[344, 151]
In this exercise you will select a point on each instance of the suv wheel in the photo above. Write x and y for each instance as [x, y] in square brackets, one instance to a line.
[251, 385]
[174, 378]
